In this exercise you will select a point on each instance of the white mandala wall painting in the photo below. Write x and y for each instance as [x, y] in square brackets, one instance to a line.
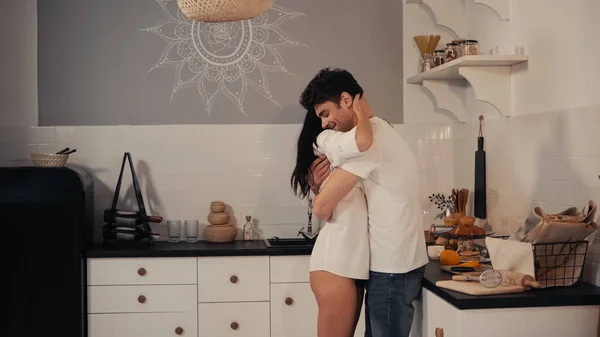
[223, 58]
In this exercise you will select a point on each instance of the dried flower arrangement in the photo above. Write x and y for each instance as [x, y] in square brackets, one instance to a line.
[443, 203]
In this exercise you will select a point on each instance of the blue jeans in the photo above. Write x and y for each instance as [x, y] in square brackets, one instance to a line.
[389, 300]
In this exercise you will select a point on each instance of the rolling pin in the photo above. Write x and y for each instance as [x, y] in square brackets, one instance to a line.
[524, 280]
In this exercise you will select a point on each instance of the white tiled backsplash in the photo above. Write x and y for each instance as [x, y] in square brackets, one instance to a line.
[551, 159]
[182, 168]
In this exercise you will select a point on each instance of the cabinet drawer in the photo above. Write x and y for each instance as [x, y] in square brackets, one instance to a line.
[233, 319]
[289, 269]
[233, 279]
[143, 325]
[118, 299]
[142, 271]
[293, 310]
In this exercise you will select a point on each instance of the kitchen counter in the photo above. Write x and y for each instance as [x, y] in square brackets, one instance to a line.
[188, 249]
[580, 294]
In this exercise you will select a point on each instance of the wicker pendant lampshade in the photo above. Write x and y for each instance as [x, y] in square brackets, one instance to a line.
[223, 10]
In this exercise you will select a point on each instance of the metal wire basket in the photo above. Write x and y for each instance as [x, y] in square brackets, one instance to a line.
[558, 264]
[223, 10]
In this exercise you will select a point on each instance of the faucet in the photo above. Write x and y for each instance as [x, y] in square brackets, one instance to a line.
[308, 234]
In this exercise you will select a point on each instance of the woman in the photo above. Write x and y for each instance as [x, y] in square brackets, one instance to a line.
[341, 254]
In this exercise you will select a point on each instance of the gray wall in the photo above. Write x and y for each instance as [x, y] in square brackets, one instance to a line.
[18, 63]
[95, 59]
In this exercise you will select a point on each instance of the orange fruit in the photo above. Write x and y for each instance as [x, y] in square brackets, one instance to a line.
[449, 257]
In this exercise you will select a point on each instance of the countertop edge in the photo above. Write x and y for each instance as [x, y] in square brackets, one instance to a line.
[581, 294]
[197, 249]
[558, 297]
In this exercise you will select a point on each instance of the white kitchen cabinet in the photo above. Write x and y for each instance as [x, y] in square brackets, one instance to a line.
[128, 271]
[540, 321]
[233, 279]
[287, 269]
[144, 298]
[293, 306]
[293, 310]
[248, 319]
[438, 314]
[143, 325]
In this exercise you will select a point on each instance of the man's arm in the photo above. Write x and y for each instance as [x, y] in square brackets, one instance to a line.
[339, 185]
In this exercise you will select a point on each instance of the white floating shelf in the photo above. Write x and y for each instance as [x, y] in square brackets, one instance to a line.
[489, 75]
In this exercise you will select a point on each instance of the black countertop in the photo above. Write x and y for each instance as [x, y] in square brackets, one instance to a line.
[579, 294]
[187, 249]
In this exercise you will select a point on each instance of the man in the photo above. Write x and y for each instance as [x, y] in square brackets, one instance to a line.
[391, 183]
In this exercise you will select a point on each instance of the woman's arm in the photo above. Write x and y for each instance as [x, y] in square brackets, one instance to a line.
[341, 146]
[364, 130]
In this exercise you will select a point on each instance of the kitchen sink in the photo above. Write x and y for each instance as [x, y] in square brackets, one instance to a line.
[289, 242]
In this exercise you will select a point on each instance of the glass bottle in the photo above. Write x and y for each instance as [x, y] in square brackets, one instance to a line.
[248, 230]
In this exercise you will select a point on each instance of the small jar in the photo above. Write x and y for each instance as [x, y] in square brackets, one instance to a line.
[450, 52]
[439, 57]
[458, 47]
[427, 63]
[470, 47]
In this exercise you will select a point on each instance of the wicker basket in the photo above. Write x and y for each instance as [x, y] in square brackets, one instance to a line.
[49, 159]
[220, 233]
[223, 10]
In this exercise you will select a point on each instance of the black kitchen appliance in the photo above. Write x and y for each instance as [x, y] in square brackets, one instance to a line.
[47, 217]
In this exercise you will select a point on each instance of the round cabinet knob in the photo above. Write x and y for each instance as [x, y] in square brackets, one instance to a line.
[235, 325]
[233, 279]
[179, 330]
[289, 301]
[142, 299]
[142, 272]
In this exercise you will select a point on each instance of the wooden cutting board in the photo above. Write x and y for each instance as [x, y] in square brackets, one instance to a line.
[476, 289]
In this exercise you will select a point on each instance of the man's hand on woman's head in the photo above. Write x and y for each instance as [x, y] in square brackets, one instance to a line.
[319, 172]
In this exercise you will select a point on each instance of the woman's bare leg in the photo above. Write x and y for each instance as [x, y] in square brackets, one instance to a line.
[336, 299]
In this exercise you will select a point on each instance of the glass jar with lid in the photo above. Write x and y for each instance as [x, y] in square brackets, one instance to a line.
[439, 57]
[450, 52]
[458, 47]
[427, 62]
[470, 47]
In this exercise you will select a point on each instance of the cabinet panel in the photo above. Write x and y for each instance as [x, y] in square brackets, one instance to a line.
[131, 271]
[119, 299]
[290, 269]
[233, 279]
[293, 310]
[249, 319]
[143, 325]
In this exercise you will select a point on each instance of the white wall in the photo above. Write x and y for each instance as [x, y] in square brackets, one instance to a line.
[548, 152]
[559, 37]
[181, 168]
[419, 107]
[18, 63]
